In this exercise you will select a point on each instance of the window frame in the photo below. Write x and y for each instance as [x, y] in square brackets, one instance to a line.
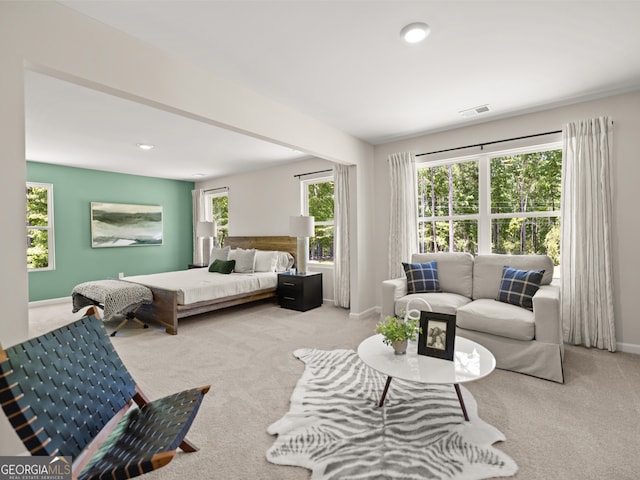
[485, 217]
[49, 228]
[208, 198]
[304, 202]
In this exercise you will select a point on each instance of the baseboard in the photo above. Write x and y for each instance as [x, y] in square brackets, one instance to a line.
[367, 313]
[50, 301]
[628, 348]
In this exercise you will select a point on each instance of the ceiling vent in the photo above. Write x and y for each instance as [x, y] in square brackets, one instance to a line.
[472, 112]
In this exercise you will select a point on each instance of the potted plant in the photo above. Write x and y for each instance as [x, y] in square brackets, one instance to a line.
[397, 332]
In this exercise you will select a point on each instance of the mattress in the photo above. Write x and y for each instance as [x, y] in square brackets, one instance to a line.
[198, 284]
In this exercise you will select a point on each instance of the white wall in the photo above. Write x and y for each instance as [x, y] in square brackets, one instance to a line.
[261, 201]
[625, 112]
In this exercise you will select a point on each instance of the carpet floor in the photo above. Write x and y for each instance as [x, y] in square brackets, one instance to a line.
[585, 429]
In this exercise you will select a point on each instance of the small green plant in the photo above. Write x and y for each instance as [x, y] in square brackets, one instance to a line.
[396, 329]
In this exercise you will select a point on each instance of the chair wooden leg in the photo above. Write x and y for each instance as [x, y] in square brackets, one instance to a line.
[187, 446]
[93, 311]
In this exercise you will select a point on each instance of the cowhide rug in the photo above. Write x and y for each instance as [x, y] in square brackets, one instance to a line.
[335, 428]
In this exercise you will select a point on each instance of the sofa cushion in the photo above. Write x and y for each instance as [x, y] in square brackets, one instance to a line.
[439, 302]
[455, 270]
[487, 271]
[519, 286]
[421, 277]
[497, 318]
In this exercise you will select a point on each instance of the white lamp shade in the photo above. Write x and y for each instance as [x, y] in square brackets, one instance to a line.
[301, 226]
[206, 229]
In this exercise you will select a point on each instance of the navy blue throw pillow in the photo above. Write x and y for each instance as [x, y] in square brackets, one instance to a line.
[519, 286]
[422, 277]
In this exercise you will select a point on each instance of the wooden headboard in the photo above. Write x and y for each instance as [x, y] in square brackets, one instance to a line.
[282, 244]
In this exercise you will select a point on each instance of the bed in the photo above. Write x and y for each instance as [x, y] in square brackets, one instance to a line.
[191, 292]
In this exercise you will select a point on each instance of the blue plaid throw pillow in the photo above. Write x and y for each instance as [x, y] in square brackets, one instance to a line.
[519, 286]
[422, 277]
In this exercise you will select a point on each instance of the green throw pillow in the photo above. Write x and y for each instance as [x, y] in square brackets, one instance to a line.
[222, 266]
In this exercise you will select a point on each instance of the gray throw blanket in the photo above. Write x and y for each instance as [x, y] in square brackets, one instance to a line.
[116, 296]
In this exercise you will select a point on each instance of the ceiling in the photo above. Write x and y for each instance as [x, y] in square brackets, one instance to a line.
[342, 62]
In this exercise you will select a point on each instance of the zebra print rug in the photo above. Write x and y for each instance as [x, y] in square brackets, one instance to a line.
[335, 428]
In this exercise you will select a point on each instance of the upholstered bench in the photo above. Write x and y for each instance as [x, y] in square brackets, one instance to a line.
[116, 297]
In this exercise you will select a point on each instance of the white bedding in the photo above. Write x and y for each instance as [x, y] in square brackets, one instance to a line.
[198, 284]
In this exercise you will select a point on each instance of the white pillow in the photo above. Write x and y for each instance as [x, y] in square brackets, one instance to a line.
[219, 254]
[266, 261]
[245, 260]
[285, 262]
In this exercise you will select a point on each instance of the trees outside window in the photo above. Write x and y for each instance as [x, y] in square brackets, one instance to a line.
[448, 207]
[39, 221]
[220, 213]
[318, 203]
[506, 202]
[525, 203]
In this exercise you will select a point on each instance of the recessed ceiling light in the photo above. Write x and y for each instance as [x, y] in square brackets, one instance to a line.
[145, 146]
[415, 32]
[198, 175]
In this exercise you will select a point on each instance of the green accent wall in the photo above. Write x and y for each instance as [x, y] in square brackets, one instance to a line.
[75, 261]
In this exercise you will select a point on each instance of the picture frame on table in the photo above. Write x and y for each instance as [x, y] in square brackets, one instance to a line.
[437, 335]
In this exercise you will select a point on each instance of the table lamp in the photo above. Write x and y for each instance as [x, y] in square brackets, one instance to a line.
[301, 226]
[206, 231]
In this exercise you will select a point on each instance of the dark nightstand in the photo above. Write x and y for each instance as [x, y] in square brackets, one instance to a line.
[300, 291]
[196, 265]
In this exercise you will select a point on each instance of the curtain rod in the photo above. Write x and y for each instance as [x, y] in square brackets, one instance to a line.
[481, 145]
[214, 189]
[311, 173]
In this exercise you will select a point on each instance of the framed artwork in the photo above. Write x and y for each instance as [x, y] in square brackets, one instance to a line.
[437, 335]
[125, 225]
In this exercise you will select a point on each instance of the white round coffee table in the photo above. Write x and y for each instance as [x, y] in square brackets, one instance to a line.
[471, 361]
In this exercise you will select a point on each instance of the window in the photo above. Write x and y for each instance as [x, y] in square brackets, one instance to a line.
[318, 202]
[505, 202]
[220, 213]
[40, 254]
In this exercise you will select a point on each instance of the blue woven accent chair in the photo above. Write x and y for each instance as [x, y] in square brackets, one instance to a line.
[68, 393]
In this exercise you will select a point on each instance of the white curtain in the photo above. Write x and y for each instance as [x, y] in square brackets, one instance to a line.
[403, 219]
[201, 212]
[586, 258]
[341, 271]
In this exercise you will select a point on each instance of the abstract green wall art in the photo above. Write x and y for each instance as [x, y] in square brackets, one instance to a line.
[125, 225]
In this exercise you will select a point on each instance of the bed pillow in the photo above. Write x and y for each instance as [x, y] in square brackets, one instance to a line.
[245, 260]
[266, 261]
[422, 277]
[222, 266]
[219, 254]
[285, 262]
[519, 286]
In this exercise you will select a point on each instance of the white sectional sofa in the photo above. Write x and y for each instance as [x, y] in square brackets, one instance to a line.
[523, 341]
